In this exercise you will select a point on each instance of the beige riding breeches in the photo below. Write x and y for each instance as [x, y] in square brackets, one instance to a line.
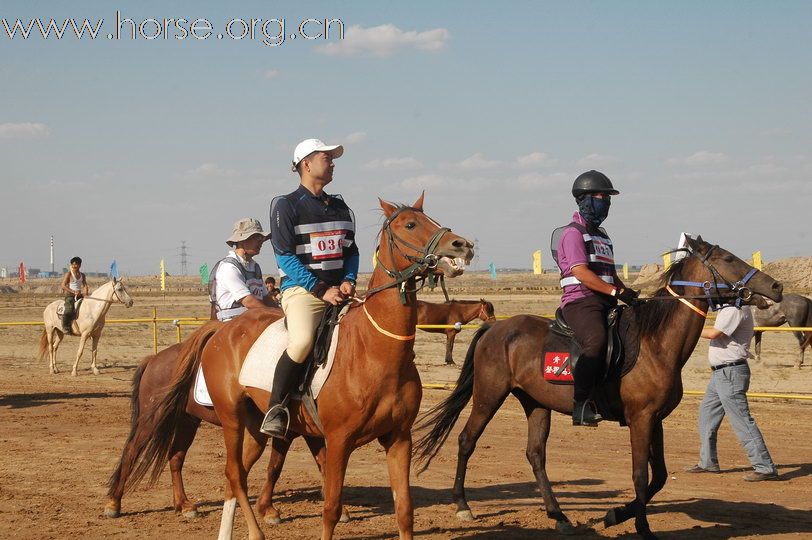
[303, 312]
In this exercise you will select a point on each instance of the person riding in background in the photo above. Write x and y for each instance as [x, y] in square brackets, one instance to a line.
[74, 285]
[591, 285]
[237, 284]
[313, 237]
[273, 291]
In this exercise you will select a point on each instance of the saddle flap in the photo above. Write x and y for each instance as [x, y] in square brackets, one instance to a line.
[559, 325]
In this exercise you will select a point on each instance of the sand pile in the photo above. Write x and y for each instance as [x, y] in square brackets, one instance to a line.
[649, 277]
[795, 273]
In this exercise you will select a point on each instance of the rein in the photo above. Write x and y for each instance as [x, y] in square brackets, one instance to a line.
[427, 260]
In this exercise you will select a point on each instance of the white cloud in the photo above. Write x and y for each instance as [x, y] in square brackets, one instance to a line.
[597, 160]
[703, 157]
[536, 159]
[531, 181]
[210, 170]
[385, 40]
[23, 130]
[271, 74]
[404, 163]
[477, 162]
[425, 181]
[355, 138]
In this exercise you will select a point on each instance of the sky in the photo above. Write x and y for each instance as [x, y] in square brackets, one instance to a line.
[123, 148]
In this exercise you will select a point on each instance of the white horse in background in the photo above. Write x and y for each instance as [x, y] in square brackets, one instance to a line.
[88, 323]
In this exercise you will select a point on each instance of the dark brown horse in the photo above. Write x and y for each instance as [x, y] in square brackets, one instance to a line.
[452, 312]
[793, 310]
[506, 358]
[372, 393]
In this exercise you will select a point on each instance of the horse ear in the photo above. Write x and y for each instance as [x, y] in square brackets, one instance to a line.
[418, 205]
[388, 208]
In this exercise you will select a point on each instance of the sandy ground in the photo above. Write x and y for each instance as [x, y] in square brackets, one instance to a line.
[60, 438]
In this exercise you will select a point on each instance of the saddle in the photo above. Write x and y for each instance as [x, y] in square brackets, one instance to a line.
[562, 350]
[60, 309]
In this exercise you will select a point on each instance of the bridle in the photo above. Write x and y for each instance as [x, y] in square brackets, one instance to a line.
[420, 264]
[736, 292]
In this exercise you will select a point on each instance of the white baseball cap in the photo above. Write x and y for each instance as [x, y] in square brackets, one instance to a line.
[308, 146]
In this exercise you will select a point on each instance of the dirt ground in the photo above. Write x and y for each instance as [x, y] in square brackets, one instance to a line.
[60, 438]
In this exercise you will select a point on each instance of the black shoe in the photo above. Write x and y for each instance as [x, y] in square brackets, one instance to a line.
[285, 379]
[760, 476]
[584, 414]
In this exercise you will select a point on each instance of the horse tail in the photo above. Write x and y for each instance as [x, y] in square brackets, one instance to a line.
[135, 407]
[42, 349]
[441, 418]
[153, 453]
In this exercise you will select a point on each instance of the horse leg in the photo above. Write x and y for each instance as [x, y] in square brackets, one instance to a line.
[757, 345]
[93, 347]
[398, 459]
[184, 437]
[82, 341]
[128, 457]
[234, 422]
[54, 339]
[335, 468]
[318, 449]
[481, 414]
[538, 430]
[449, 346]
[265, 508]
[659, 475]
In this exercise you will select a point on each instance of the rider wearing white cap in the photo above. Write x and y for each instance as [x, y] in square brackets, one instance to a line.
[313, 237]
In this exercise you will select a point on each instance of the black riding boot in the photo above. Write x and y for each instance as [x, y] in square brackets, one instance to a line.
[287, 375]
[584, 412]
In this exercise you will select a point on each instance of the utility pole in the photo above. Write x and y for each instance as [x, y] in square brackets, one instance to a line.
[52, 254]
[183, 254]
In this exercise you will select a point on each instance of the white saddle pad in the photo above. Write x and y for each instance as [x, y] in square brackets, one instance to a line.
[260, 363]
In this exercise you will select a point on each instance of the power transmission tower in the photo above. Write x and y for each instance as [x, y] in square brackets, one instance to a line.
[183, 256]
[477, 248]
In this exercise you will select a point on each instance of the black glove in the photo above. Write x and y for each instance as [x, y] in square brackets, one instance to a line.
[628, 296]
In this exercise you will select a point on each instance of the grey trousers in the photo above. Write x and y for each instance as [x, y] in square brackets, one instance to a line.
[726, 395]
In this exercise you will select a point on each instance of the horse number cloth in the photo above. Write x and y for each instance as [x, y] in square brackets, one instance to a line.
[552, 365]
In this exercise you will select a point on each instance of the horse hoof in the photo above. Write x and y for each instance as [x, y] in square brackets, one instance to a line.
[73, 374]
[465, 515]
[564, 527]
[271, 519]
[191, 514]
[95, 371]
[345, 516]
[112, 511]
[610, 519]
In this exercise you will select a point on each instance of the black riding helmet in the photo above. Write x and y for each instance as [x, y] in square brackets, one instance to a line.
[592, 182]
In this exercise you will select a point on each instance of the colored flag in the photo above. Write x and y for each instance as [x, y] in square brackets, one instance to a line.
[757, 264]
[114, 270]
[625, 271]
[537, 262]
[492, 268]
[163, 275]
[22, 272]
[666, 261]
[204, 274]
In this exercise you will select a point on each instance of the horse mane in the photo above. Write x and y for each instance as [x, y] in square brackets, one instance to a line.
[652, 316]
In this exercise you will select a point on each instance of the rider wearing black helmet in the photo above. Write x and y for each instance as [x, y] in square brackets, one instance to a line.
[591, 285]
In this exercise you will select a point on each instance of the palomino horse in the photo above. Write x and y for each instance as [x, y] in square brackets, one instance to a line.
[89, 323]
[794, 310]
[452, 312]
[506, 359]
[372, 393]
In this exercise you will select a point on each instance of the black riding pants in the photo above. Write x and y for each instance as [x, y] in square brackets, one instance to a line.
[587, 318]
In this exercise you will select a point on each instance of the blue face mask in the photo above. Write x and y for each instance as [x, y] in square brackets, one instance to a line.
[594, 210]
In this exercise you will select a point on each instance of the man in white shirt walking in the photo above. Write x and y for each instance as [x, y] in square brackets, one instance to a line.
[727, 395]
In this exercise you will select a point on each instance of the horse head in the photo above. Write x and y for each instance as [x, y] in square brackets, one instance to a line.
[724, 274]
[120, 293]
[486, 310]
[414, 243]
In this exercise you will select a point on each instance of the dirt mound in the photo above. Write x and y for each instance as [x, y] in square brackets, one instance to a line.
[795, 273]
[649, 277]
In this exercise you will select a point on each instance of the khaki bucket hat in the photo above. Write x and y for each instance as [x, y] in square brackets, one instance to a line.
[245, 228]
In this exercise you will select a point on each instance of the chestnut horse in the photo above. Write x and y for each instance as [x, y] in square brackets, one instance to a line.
[452, 312]
[506, 358]
[373, 392]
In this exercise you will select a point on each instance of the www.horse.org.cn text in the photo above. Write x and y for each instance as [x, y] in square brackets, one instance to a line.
[271, 32]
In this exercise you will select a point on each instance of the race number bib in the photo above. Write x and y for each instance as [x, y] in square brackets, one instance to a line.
[603, 251]
[327, 245]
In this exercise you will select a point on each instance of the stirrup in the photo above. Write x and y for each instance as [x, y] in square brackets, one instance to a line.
[272, 425]
[578, 414]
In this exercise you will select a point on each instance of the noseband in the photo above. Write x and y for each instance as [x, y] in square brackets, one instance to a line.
[420, 264]
[738, 292]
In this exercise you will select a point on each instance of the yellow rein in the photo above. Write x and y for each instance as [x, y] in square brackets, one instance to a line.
[384, 332]
[698, 311]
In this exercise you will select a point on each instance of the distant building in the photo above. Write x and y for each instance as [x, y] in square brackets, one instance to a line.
[3, 272]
